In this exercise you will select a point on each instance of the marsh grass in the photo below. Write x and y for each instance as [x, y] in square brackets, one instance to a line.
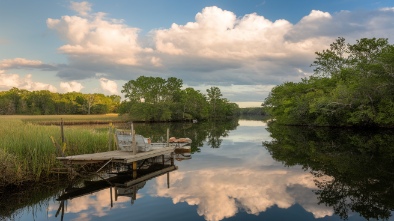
[28, 154]
[70, 119]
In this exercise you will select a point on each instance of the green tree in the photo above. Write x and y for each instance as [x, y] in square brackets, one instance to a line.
[17, 101]
[352, 86]
[214, 98]
[152, 89]
[157, 99]
[41, 102]
[114, 104]
[14, 101]
[194, 104]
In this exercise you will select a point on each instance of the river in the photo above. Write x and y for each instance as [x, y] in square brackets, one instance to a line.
[245, 170]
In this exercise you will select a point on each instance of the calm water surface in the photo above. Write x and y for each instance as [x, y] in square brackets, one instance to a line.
[233, 176]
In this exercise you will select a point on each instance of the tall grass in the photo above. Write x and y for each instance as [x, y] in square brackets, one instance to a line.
[71, 119]
[28, 154]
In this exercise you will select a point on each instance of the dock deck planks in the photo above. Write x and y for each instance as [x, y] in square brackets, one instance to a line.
[116, 156]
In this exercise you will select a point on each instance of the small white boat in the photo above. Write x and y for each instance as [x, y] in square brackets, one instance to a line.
[124, 141]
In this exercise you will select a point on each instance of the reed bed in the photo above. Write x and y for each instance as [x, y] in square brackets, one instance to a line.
[69, 119]
[28, 154]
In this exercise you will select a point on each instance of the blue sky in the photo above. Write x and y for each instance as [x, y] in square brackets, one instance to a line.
[243, 47]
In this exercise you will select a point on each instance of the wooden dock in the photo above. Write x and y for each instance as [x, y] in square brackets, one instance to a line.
[118, 156]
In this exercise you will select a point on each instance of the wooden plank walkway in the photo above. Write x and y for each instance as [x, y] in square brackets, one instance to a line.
[115, 156]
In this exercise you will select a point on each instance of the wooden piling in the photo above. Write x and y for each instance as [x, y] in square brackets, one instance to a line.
[62, 130]
[134, 170]
[168, 180]
[168, 137]
[134, 145]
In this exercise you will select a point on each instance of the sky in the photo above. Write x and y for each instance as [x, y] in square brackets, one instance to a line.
[244, 47]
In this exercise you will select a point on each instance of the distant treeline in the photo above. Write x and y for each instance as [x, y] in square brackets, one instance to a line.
[147, 99]
[44, 102]
[252, 111]
[158, 99]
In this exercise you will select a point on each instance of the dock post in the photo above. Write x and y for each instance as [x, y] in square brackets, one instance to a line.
[62, 130]
[134, 197]
[134, 145]
[168, 137]
[134, 169]
[134, 148]
[110, 135]
[168, 180]
[112, 203]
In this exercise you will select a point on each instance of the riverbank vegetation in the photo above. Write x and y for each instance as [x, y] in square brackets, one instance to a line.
[44, 102]
[252, 111]
[69, 119]
[158, 99]
[27, 153]
[352, 85]
[147, 99]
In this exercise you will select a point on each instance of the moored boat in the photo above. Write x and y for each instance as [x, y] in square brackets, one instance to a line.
[124, 141]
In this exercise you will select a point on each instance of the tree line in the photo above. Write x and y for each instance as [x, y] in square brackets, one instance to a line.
[147, 99]
[352, 85]
[252, 111]
[44, 102]
[158, 99]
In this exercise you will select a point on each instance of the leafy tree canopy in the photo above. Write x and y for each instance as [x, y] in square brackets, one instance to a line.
[158, 99]
[19, 101]
[352, 85]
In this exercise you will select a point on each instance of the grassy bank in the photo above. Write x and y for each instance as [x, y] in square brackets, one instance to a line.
[68, 119]
[27, 152]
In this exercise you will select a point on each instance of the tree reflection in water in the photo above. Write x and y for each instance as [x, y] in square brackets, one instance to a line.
[359, 164]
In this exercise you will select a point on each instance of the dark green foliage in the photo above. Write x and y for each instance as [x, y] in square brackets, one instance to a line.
[17, 101]
[252, 111]
[157, 99]
[352, 86]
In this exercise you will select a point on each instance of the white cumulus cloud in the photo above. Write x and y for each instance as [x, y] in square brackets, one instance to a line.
[71, 86]
[96, 39]
[8, 81]
[218, 33]
[83, 8]
[108, 85]
[18, 62]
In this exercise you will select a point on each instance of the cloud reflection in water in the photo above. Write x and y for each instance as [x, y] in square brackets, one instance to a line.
[240, 176]
[89, 206]
[222, 192]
